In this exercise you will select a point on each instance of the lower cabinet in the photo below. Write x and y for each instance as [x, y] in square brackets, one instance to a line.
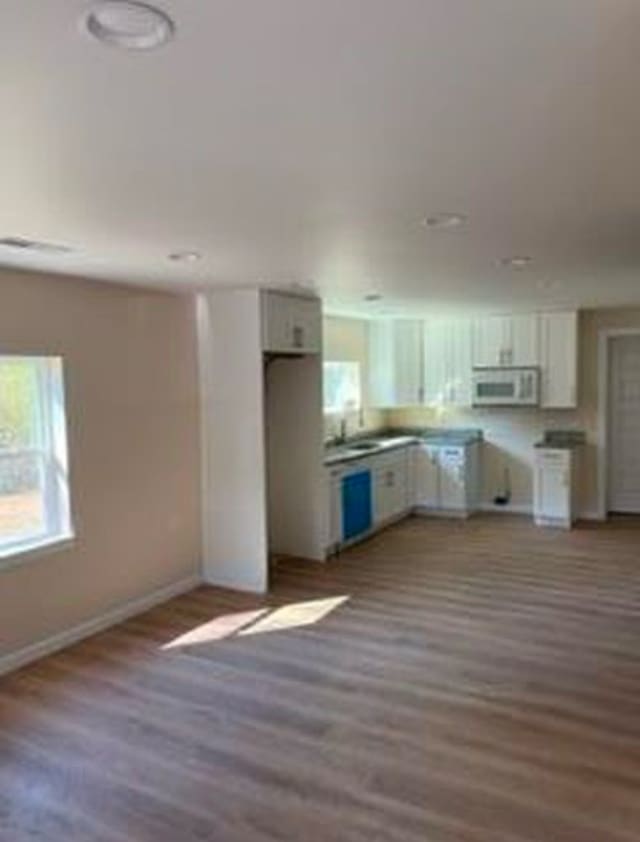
[390, 481]
[555, 487]
[446, 478]
[426, 472]
[367, 494]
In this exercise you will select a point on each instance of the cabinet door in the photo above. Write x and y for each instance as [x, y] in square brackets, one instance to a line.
[381, 502]
[399, 483]
[427, 476]
[460, 363]
[490, 341]
[305, 324]
[381, 366]
[291, 324]
[333, 484]
[276, 334]
[395, 363]
[447, 363]
[559, 359]
[391, 481]
[553, 488]
[452, 478]
[523, 344]
[407, 362]
[436, 363]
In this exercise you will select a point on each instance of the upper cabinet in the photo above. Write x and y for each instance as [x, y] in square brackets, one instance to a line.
[430, 362]
[559, 360]
[291, 324]
[447, 362]
[395, 362]
[506, 341]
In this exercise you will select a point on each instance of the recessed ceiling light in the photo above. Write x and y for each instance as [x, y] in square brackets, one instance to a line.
[24, 244]
[444, 220]
[373, 296]
[516, 262]
[129, 24]
[185, 256]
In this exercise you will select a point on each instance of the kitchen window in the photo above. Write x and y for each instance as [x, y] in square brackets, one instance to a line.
[342, 387]
[34, 481]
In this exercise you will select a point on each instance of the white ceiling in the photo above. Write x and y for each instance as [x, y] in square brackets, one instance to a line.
[302, 142]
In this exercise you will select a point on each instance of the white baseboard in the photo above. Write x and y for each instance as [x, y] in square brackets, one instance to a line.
[509, 509]
[40, 648]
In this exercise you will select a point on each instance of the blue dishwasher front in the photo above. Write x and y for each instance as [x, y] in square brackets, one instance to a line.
[356, 504]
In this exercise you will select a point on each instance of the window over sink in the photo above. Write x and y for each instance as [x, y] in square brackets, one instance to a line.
[342, 387]
[34, 476]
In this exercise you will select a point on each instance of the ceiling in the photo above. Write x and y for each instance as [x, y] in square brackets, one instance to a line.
[303, 142]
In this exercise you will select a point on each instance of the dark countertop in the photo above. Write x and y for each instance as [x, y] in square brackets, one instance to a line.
[388, 440]
[561, 440]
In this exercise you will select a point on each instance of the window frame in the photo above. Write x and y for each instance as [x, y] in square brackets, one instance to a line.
[50, 447]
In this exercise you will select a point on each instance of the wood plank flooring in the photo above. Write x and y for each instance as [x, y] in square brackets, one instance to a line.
[445, 682]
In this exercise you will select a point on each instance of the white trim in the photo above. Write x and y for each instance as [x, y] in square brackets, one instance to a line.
[604, 337]
[61, 640]
[22, 553]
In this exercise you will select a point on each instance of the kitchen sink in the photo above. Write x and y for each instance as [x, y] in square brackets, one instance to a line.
[364, 445]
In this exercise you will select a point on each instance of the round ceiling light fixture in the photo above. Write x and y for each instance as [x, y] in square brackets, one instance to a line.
[185, 256]
[129, 24]
[444, 220]
[516, 262]
[373, 296]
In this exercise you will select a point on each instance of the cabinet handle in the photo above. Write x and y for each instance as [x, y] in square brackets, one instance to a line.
[298, 336]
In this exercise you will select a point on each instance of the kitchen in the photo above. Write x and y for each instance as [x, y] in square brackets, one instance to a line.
[439, 417]
[438, 424]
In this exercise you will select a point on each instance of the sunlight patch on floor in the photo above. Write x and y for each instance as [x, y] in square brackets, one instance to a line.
[259, 621]
[295, 615]
[217, 629]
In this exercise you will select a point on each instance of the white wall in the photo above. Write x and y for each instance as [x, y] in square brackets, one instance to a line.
[234, 475]
[132, 407]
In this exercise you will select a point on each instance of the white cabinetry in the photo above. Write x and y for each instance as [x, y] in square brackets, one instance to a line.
[426, 476]
[390, 484]
[334, 492]
[447, 363]
[291, 324]
[559, 360]
[506, 341]
[555, 486]
[395, 363]
[446, 478]
[453, 486]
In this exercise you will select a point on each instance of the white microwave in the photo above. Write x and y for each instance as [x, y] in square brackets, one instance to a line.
[506, 386]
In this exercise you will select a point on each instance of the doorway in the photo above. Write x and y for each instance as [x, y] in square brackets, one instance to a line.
[623, 469]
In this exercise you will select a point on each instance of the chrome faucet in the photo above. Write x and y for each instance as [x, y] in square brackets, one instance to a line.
[341, 437]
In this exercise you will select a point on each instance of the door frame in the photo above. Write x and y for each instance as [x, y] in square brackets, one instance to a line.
[605, 338]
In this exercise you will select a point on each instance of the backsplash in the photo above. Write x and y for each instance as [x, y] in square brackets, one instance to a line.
[357, 422]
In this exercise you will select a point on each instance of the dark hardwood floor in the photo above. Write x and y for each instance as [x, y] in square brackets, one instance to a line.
[445, 682]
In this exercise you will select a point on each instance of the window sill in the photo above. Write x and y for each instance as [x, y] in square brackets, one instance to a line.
[32, 550]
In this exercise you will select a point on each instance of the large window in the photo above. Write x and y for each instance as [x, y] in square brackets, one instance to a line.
[342, 389]
[34, 487]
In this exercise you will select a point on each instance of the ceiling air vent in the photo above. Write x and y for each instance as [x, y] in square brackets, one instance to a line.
[22, 244]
